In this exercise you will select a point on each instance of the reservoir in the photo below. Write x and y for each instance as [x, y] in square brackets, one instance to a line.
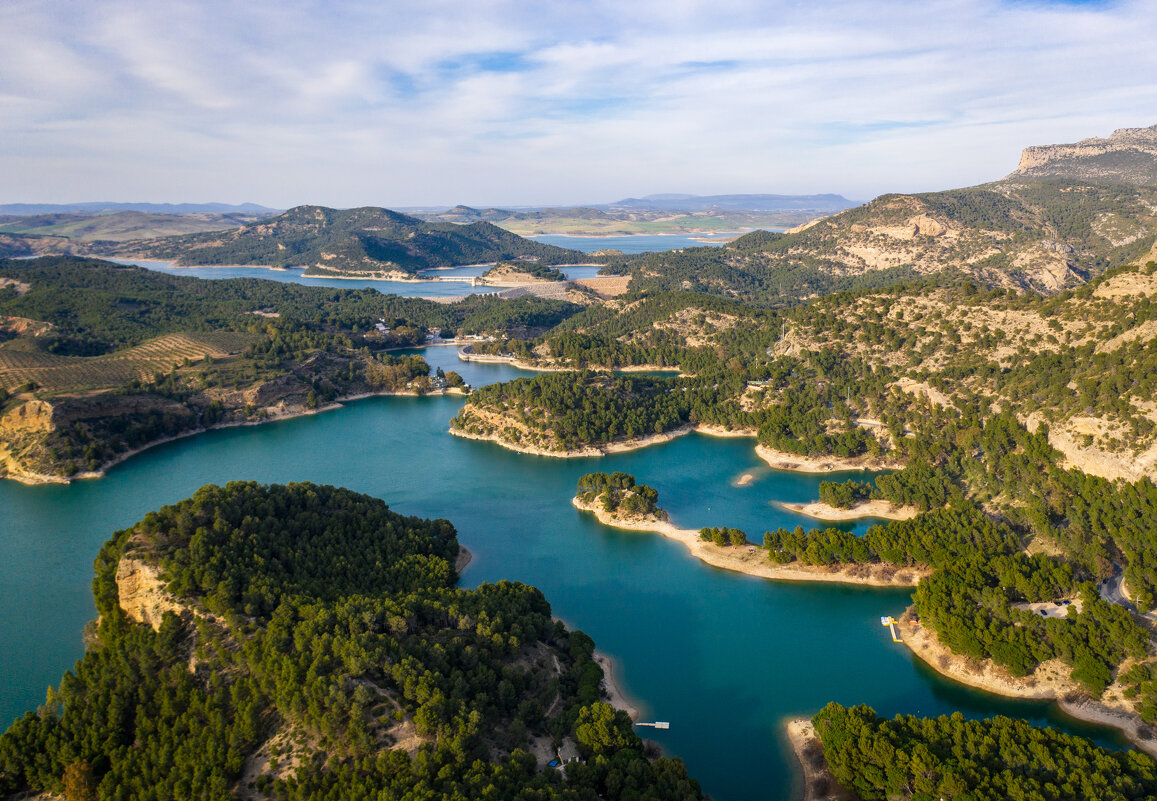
[454, 288]
[724, 657]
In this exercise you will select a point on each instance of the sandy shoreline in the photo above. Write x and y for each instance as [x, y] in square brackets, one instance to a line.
[616, 697]
[818, 782]
[832, 514]
[487, 358]
[775, 459]
[753, 560]
[1049, 682]
[464, 558]
[780, 460]
[621, 446]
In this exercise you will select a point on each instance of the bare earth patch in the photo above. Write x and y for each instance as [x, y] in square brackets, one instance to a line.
[819, 783]
[754, 561]
[877, 508]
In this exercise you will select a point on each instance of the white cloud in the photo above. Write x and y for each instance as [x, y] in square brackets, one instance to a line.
[410, 103]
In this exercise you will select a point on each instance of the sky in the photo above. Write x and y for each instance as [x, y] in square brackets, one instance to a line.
[483, 102]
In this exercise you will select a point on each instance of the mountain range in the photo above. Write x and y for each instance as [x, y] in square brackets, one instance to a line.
[1068, 213]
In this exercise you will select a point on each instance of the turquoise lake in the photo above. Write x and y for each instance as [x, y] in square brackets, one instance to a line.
[724, 657]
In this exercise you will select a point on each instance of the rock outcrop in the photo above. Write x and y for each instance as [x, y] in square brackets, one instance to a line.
[31, 416]
[142, 594]
[1128, 155]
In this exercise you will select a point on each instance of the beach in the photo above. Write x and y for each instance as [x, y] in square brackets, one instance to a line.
[617, 698]
[824, 464]
[753, 560]
[818, 782]
[831, 514]
[464, 558]
[620, 446]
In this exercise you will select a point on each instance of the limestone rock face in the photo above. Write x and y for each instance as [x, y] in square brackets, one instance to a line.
[31, 416]
[1128, 155]
[142, 594]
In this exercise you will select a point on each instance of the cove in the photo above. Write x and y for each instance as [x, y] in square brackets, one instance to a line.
[724, 657]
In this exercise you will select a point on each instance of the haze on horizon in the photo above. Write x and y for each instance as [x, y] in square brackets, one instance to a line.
[525, 103]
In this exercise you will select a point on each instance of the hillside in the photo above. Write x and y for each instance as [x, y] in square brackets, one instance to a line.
[98, 360]
[362, 242]
[633, 217]
[1080, 361]
[950, 757]
[15, 246]
[107, 207]
[242, 651]
[122, 225]
[820, 204]
[1127, 156]
[1042, 235]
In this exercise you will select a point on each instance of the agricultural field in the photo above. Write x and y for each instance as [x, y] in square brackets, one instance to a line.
[61, 374]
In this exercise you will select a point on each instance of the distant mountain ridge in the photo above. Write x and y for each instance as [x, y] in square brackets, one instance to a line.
[654, 214]
[767, 203]
[1068, 214]
[1127, 156]
[102, 207]
[361, 241]
[121, 225]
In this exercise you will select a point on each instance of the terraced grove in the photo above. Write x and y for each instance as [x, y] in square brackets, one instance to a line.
[56, 374]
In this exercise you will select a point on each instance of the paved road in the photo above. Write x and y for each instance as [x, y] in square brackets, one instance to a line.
[1111, 592]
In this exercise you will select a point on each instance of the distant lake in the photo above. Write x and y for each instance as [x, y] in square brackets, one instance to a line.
[640, 243]
[406, 289]
[296, 275]
[445, 289]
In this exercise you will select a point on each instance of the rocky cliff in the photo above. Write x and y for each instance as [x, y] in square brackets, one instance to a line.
[141, 592]
[1128, 155]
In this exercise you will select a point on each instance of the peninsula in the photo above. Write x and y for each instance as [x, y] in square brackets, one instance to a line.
[399, 691]
[99, 361]
[851, 752]
[616, 500]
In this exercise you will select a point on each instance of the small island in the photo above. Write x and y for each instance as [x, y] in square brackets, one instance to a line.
[621, 497]
[519, 272]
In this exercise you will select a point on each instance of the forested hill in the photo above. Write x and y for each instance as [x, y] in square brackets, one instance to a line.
[139, 355]
[362, 240]
[313, 645]
[985, 760]
[1044, 235]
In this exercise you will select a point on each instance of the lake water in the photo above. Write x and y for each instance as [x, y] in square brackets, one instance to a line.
[412, 289]
[724, 657]
[406, 289]
[639, 243]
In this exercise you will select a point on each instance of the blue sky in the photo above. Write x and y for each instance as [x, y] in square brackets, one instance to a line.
[504, 103]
